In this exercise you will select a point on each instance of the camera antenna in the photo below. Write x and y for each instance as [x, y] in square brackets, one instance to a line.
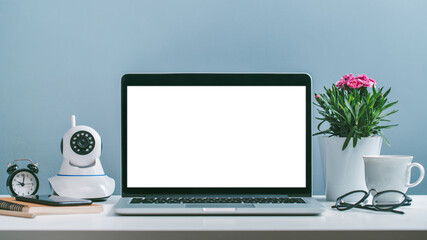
[73, 121]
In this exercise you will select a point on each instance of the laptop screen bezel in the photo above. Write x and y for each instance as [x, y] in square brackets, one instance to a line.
[216, 79]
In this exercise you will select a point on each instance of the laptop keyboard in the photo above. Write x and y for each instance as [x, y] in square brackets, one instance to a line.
[215, 200]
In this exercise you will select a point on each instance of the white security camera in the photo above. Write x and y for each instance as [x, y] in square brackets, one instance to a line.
[81, 145]
[81, 174]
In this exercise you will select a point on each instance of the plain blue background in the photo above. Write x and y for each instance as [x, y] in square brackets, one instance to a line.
[59, 58]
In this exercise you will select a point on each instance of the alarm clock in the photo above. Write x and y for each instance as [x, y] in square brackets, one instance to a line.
[22, 181]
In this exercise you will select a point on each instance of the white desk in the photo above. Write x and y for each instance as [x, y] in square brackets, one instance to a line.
[331, 224]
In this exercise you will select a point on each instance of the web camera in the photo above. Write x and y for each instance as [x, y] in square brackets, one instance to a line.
[81, 174]
[81, 145]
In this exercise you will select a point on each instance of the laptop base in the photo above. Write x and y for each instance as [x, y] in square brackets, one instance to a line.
[311, 207]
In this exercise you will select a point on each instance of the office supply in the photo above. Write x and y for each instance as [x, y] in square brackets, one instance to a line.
[22, 181]
[53, 200]
[215, 144]
[81, 174]
[10, 205]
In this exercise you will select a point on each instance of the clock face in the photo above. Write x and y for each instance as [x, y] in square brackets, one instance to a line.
[24, 183]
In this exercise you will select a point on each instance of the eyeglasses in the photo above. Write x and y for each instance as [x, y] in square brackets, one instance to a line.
[382, 201]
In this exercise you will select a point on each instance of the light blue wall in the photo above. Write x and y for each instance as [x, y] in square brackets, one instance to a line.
[59, 58]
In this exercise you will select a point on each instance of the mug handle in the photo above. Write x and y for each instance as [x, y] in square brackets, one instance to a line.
[420, 178]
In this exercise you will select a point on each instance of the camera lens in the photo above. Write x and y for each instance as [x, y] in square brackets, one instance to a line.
[82, 142]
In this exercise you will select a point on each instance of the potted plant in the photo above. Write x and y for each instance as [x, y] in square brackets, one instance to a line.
[356, 112]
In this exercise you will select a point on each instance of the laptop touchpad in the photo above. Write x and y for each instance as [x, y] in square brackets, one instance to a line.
[218, 205]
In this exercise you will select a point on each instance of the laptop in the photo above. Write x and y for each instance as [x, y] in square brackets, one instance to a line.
[216, 144]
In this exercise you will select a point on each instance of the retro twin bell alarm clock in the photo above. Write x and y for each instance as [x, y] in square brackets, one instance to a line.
[22, 181]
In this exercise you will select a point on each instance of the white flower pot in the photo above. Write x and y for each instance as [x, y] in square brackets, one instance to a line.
[344, 170]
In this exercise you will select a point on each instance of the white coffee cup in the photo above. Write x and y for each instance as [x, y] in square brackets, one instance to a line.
[390, 172]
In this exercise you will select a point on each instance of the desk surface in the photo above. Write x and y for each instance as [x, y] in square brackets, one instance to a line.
[415, 218]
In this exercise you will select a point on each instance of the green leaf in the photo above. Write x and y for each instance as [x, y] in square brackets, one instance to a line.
[347, 104]
[387, 126]
[354, 141]
[384, 138]
[388, 114]
[347, 140]
[388, 105]
[387, 92]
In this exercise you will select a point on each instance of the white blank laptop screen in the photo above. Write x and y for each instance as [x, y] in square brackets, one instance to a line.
[216, 136]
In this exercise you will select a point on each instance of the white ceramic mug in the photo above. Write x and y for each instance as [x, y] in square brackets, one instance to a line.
[390, 172]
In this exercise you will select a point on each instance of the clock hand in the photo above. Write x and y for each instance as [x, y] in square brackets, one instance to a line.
[20, 183]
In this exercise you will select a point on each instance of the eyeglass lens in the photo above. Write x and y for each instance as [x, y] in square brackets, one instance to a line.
[389, 200]
[351, 199]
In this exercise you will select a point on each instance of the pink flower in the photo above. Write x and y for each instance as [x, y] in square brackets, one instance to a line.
[367, 82]
[344, 80]
[350, 81]
[317, 96]
[340, 83]
[348, 77]
[355, 83]
[373, 81]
